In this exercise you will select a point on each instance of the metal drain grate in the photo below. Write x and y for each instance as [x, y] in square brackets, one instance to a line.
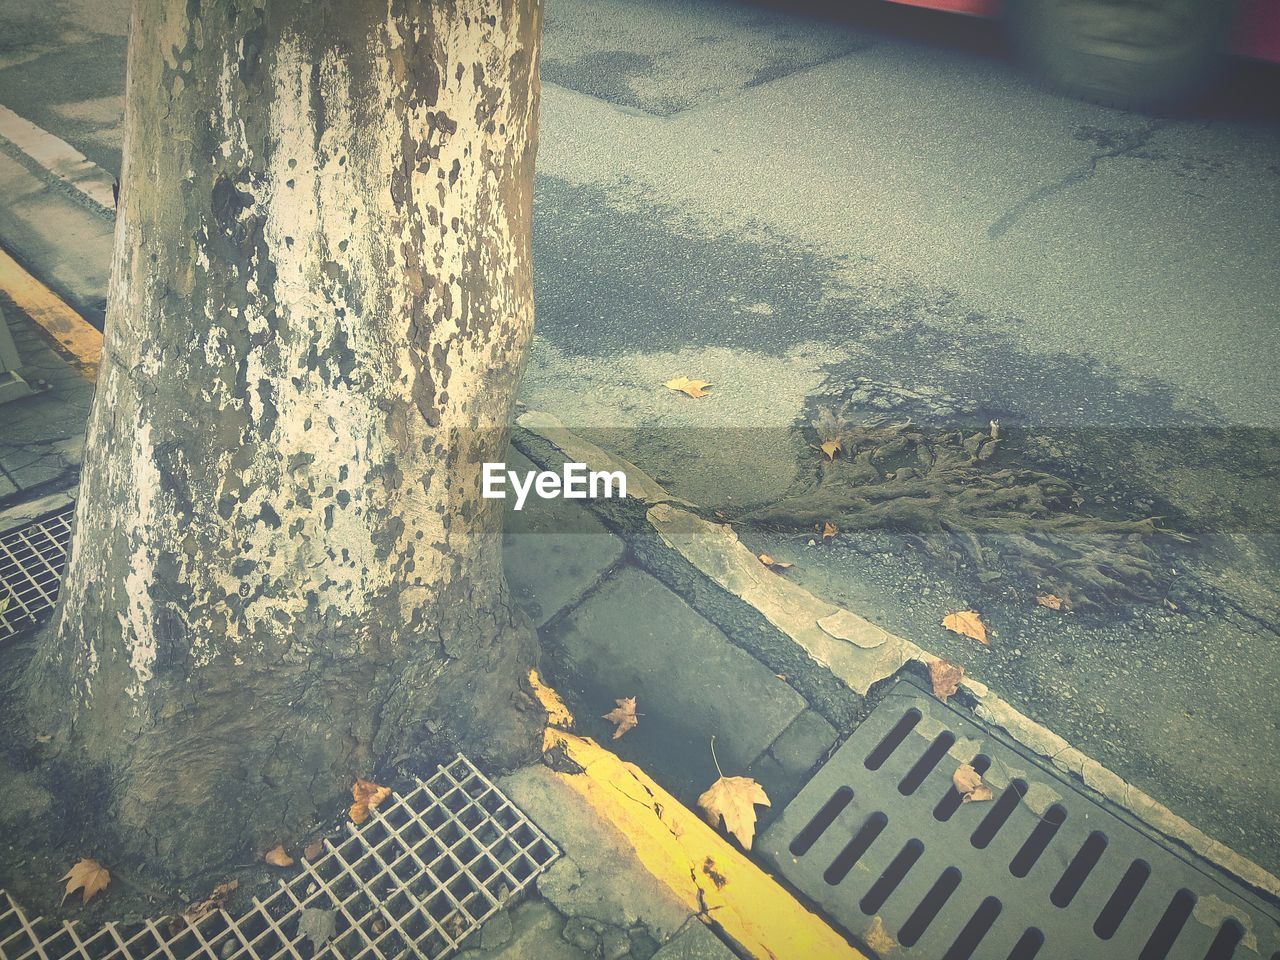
[414, 880]
[32, 559]
[1042, 871]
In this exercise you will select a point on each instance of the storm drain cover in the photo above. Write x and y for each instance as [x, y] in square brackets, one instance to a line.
[414, 880]
[881, 841]
[32, 558]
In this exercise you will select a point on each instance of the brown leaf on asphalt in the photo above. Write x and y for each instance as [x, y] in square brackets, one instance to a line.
[1051, 601]
[773, 564]
[314, 850]
[733, 800]
[277, 857]
[366, 795]
[829, 530]
[623, 716]
[966, 623]
[88, 876]
[694, 388]
[970, 785]
[945, 678]
[832, 449]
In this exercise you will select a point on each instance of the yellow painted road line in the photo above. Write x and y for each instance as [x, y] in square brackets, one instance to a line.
[77, 340]
[707, 874]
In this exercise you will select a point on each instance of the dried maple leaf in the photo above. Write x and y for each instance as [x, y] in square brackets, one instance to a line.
[317, 925]
[277, 857]
[216, 900]
[773, 564]
[733, 800]
[455, 924]
[945, 678]
[967, 623]
[970, 785]
[623, 716]
[1051, 601]
[879, 939]
[694, 388]
[366, 795]
[88, 876]
[831, 448]
[829, 530]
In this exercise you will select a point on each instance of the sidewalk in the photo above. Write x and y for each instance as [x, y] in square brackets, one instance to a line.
[644, 599]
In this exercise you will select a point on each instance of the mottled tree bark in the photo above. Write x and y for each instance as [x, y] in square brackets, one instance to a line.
[283, 572]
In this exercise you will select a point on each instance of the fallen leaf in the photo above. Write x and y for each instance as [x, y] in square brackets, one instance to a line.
[216, 900]
[88, 876]
[314, 850]
[1051, 601]
[733, 800]
[43, 737]
[558, 714]
[711, 873]
[970, 785]
[773, 564]
[945, 678]
[694, 388]
[455, 924]
[366, 795]
[277, 857]
[832, 449]
[878, 938]
[829, 530]
[623, 716]
[318, 926]
[966, 623]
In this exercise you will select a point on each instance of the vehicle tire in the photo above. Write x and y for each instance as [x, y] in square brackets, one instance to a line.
[1140, 54]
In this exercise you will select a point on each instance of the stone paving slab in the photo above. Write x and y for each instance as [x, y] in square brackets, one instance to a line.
[68, 245]
[598, 878]
[635, 638]
[694, 942]
[526, 931]
[42, 440]
[553, 551]
[785, 766]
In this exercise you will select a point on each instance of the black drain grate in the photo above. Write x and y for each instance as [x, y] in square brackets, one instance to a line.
[32, 559]
[415, 880]
[1042, 871]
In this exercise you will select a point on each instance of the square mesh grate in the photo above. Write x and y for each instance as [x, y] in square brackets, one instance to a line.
[32, 559]
[415, 880]
[1042, 871]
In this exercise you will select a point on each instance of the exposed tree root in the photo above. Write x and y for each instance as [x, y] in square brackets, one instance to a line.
[953, 494]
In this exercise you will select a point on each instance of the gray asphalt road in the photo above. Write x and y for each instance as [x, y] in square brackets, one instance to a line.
[794, 208]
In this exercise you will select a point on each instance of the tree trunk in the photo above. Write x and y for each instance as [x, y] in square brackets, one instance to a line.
[283, 573]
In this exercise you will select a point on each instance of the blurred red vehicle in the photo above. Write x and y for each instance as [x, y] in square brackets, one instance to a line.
[1140, 53]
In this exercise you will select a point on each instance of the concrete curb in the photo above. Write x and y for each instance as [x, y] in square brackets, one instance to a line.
[62, 160]
[863, 654]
